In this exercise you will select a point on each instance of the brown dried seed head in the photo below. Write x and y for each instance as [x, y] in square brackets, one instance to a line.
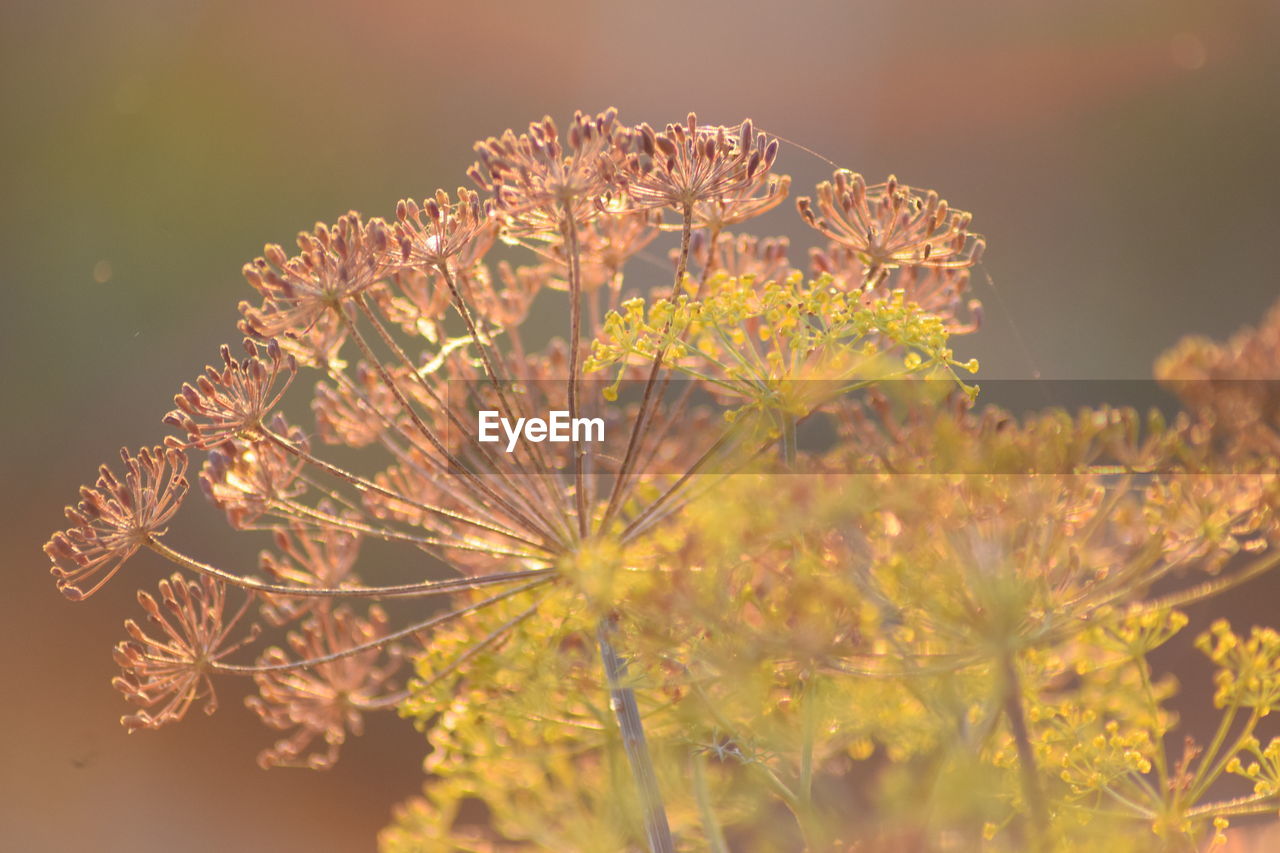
[537, 183]
[442, 231]
[891, 225]
[1234, 386]
[245, 480]
[165, 675]
[685, 165]
[305, 558]
[334, 264]
[233, 401]
[115, 518]
[325, 702]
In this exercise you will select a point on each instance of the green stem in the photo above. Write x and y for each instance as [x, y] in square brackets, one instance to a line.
[811, 824]
[715, 837]
[1148, 689]
[809, 726]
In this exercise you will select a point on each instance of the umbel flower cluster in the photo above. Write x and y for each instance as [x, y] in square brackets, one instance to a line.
[931, 633]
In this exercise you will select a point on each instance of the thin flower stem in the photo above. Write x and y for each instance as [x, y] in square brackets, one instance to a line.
[628, 459]
[1149, 693]
[622, 700]
[331, 493]
[1218, 585]
[455, 467]
[692, 471]
[790, 449]
[658, 437]
[483, 342]
[411, 590]
[424, 464]
[295, 510]
[496, 378]
[1247, 805]
[710, 825]
[382, 702]
[494, 636]
[234, 669]
[1205, 777]
[651, 516]
[494, 464]
[363, 485]
[575, 363]
[1134, 808]
[413, 370]
[1031, 790]
[683, 401]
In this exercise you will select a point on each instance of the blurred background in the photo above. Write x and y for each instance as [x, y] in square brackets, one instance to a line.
[1119, 157]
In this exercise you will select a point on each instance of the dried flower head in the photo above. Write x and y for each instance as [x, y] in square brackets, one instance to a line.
[174, 668]
[233, 402]
[307, 558]
[116, 518]
[326, 701]
[970, 561]
[441, 231]
[1235, 385]
[539, 182]
[685, 165]
[891, 224]
[334, 263]
[245, 480]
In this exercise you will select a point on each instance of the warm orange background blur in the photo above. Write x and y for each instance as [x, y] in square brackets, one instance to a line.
[1120, 158]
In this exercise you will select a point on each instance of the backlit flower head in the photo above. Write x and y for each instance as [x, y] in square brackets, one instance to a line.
[1236, 385]
[307, 558]
[115, 518]
[334, 264]
[246, 480]
[686, 164]
[891, 224]
[583, 569]
[165, 675]
[538, 179]
[232, 401]
[442, 231]
[322, 704]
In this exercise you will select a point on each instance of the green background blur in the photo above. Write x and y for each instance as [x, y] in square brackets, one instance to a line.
[1121, 158]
